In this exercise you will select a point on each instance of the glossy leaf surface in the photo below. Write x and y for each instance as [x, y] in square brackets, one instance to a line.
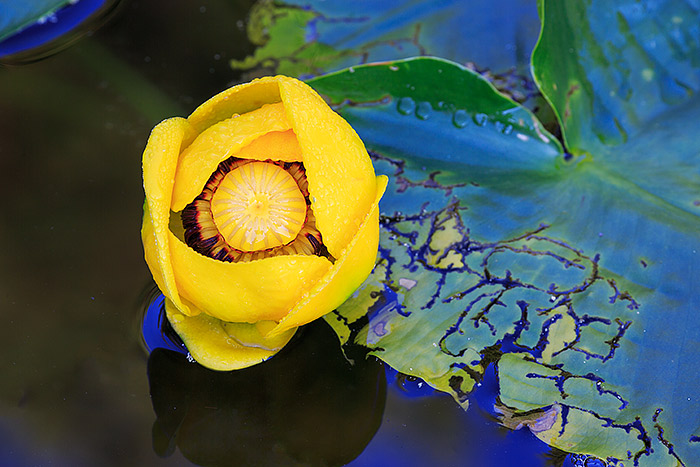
[574, 273]
[17, 15]
[302, 38]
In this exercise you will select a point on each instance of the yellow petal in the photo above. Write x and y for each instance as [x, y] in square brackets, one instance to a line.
[265, 289]
[339, 171]
[276, 145]
[239, 99]
[223, 346]
[154, 259]
[216, 144]
[159, 165]
[349, 271]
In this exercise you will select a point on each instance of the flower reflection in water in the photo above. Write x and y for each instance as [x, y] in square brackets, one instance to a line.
[308, 404]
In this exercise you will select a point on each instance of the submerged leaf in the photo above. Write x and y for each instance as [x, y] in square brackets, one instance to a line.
[310, 37]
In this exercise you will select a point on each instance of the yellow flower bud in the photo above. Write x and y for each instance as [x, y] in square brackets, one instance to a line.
[261, 215]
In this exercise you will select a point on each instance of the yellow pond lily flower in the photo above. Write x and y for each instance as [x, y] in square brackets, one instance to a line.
[261, 215]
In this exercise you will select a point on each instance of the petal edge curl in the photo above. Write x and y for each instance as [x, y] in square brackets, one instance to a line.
[159, 165]
[345, 276]
[338, 168]
[239, 99]
[224, 346]
[264, 289]
[219, 142]
[276, 145]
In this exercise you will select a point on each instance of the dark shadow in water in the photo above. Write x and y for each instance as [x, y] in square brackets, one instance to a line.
[307, 405]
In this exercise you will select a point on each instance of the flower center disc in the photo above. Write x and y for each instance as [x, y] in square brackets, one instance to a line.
[258, 206]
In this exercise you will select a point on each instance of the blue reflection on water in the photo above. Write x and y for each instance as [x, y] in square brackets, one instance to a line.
[156, 330]
[584, 461]
[409, 386]
[423, 426]
[474, 436]
[50, 27]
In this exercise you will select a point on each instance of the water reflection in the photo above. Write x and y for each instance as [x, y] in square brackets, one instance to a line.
[156, 331]
[306, 405]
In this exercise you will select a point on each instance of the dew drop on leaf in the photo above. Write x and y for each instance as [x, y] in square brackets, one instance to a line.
[460, 118]
[406, 106]
[423, 110]
[480, 119]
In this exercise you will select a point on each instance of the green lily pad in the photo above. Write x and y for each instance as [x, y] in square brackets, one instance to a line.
[18, 15]
[573, 273]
